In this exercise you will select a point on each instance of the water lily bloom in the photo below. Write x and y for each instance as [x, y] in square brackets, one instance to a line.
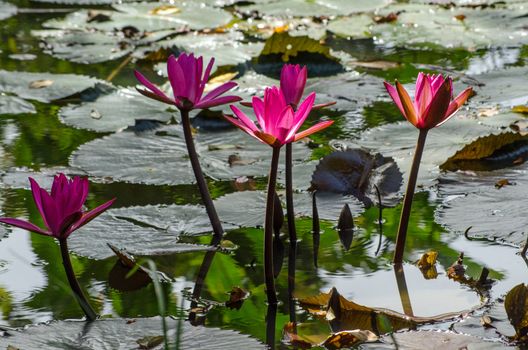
[62, 209]
[188, 84]
[292, 82]
[278, 122]
[433, 100]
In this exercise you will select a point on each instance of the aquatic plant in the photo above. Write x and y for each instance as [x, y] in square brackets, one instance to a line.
[62, 213]
[278, 125]
[433, 105]
[188, 85]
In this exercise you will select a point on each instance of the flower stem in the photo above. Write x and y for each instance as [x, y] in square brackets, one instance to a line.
[268, 229]
[407, 200]
[74, 284]
[289, 195]
[198, 174]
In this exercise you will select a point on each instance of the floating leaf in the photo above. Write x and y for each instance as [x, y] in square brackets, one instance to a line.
[427, 264]
[15, 105]
[348, 339]
[236, 297]
[64, 85]
[114, 111]
[503, 87]
[301, 8]
[353, 27]
[520, 109]
[117, 333]
[356, 172]
[345, 227]
[150, 342]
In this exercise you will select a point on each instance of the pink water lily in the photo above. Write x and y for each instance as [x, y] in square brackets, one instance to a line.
[292, 82]
[62, 209]
[188, 84]
[277, 120]
[433, 100]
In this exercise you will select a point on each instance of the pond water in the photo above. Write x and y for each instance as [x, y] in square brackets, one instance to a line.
[87, 124]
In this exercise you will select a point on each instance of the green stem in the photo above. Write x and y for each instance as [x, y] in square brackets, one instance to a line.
[268, 229]
[290, 212]
[407, 200]
[74, 284]
[198, 174]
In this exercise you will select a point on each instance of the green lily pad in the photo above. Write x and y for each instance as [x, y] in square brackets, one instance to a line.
[503, 87]
[399, 140]
[473, 28]
[303, 8]
[15, 105]
[44, 87]
[250, 206]
[7, 10]
[114, 111]
[148, 230]
[145, 17]
[123, 334]
[477, 200]
[161, 157]
[353, 27]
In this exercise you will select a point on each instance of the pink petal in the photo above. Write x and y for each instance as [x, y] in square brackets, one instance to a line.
[152, 88]
[323, 105]
[236, 122]
[301, 114]
[313, 129]
[177, 77]
[155, 97]
[424, 100]
[395, 97]
[284, 124]
[35, 191]
[90, 215]
[25, 225]
[67, 224]
[217, 102]
[407, 104]
[219, 91]
[51, 213]
[436, 82]
[436, 111]
[244, 119]
[457, 103]
[258, 108]
[206, 75]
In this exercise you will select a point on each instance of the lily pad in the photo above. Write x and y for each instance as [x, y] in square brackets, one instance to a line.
[15, 105]
[437, 340]
[398, 141]
[148, 230]
[318, 8]
[356, 172]
[161, 157]
[7, 10]
[503, 87]
[114, 111]
[468, 28]
[123, 334]
[353, 27]
[473, 200]
[250, 207]
[145, 17]
[44, 87]
[18, 177]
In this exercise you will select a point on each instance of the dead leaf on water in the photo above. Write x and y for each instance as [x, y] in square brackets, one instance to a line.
[236, 298]
[457, 271]
[39, 84]
[219, 80]
[427, 265]
[516, 305]
[520, 109]
[164, 10]
[150, 342]
[290, 336]
[348, 339]
[502, 182]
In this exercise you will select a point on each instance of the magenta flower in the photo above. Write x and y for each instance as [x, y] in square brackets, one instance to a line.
[433, 100]
[292, 82]
[62, 210]
[278, 121]
[188, 84]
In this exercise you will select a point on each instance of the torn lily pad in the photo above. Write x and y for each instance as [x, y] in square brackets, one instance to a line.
[160, 157]
[123, 334]
[44, 87]
[114, 111]
[147, 230]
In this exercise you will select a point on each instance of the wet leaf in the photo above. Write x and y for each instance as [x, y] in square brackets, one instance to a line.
[15, 105]
[516, 305]
[150, 342]
[457, 271]
[356, 172]
[348, 339]
[114, 111]
[290, 336]
[501, 86]
[353, 27]
[427, 264]
[345, 227]
[64, 85]
[520, 109]
[117, 333]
